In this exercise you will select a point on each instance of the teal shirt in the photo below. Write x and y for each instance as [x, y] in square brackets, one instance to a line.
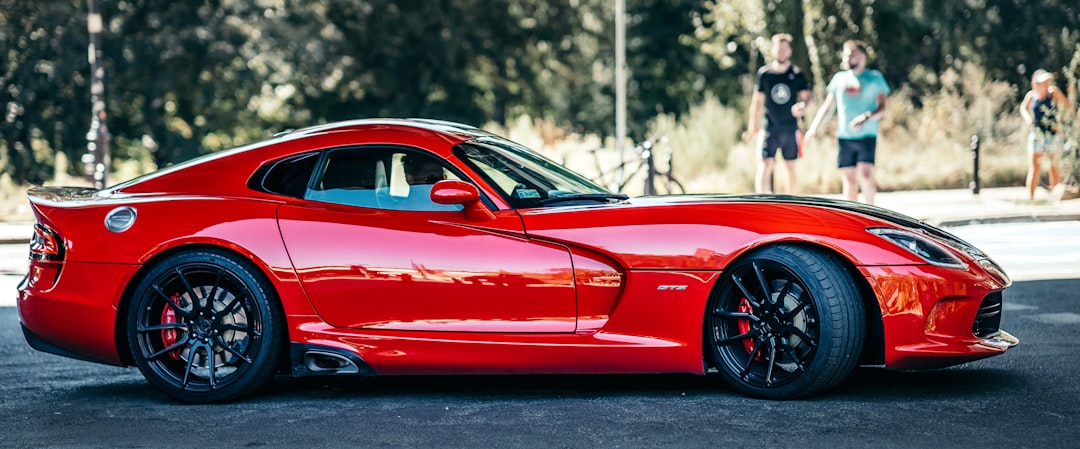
[856, 95]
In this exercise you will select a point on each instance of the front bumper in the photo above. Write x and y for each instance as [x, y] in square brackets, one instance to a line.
[935, 317]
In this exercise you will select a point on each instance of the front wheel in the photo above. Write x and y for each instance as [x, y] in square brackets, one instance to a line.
[785, 322]
[203, 327]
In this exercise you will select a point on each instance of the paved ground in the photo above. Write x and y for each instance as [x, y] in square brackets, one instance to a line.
[1029, 250]
[1025, 398]
[961, 207]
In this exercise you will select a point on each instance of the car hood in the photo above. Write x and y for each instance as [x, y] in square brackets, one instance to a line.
[880, 213]
[707, 231]
[844, 205]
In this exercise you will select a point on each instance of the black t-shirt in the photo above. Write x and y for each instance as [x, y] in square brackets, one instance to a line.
[781, 92]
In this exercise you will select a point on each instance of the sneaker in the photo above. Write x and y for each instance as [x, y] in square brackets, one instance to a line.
[1057, 192]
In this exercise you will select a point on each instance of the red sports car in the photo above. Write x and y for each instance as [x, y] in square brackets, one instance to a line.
[392, 247]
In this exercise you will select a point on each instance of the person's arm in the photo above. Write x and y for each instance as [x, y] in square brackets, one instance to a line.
[1026, 109]
[799, 109]
[756, 104]
[861, 119]
[1061, 99]
[823, 113]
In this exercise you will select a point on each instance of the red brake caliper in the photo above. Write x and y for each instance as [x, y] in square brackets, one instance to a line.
[744, 325]
[169, 337]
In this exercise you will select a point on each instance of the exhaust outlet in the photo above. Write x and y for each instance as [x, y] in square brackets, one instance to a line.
[319, 360]
[322, 362]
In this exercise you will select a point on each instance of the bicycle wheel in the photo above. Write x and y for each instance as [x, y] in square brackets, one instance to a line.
[674, 187]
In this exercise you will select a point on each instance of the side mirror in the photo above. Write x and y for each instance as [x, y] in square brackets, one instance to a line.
[463, 193]
[454, 192]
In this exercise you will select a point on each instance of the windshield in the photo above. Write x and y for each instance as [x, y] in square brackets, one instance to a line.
[526, 179]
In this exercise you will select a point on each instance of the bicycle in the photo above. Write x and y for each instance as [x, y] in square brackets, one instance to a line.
[655, 179]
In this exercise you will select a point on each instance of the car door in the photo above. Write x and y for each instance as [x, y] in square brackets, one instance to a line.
[372, 252]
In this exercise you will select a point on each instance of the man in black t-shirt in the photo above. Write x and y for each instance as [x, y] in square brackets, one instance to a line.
[783, 90]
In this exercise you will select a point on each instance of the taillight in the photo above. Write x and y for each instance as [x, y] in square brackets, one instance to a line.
[46, 244]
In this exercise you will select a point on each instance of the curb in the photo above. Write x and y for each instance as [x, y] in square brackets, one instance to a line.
[16, 233]
[1002, 219]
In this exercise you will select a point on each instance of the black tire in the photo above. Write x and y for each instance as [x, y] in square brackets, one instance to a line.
[785, 322]
[173, 329]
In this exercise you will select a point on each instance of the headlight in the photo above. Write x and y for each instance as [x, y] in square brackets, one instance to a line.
[927, 249]
[959, 244]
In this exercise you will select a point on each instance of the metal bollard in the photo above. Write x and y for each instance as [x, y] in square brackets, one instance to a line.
[650, 168]
[975, 161]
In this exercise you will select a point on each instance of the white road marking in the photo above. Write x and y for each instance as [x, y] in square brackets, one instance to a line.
[1055, 318]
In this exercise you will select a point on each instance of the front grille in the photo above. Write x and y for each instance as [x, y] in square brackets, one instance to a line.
[988, 320]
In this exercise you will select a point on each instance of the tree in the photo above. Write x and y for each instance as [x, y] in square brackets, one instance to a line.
[668, 73]
[45, 96]
[185, 78]
[181, 72]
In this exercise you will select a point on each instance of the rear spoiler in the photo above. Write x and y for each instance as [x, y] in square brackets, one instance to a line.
[56, 195]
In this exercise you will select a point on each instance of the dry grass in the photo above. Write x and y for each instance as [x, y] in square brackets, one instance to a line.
[13, 205]
[927, 147]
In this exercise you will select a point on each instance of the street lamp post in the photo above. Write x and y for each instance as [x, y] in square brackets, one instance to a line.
[620, 85]
[96, 158]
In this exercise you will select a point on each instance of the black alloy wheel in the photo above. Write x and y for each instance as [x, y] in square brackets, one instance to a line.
[785, 322]
[204, 326]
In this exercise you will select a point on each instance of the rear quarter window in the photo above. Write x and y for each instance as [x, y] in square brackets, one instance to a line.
[289, 176]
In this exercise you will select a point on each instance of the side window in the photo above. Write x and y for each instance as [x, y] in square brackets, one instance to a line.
[351, 177]
[287, 177]
[412, 175]
[380, 179]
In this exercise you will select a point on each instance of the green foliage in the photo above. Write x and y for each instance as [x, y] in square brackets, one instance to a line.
[185, 78]
[1070, 129]
[45, 92]
[667, 72]
[178, 73]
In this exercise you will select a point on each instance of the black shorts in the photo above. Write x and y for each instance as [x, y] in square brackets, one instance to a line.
[787, 141]
[854, 151]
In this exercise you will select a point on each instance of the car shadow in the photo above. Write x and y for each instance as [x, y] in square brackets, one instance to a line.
[865, 383]
[501, 386]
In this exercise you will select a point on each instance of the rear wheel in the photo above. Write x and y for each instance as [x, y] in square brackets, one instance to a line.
[203, 327]
[785, 322]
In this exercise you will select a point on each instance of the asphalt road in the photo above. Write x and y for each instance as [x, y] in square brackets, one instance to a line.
[1027, 398]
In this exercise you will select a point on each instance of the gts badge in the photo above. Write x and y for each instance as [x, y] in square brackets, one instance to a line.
[670, 288]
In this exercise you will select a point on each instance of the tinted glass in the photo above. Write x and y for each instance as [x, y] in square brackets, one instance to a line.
[290, 176]
[381, 178]
[523, 177]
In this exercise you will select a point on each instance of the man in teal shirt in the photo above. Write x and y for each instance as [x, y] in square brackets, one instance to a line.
[858, 95]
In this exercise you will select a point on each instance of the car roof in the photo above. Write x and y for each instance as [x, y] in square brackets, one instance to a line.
[432, 125]
[248, 158]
